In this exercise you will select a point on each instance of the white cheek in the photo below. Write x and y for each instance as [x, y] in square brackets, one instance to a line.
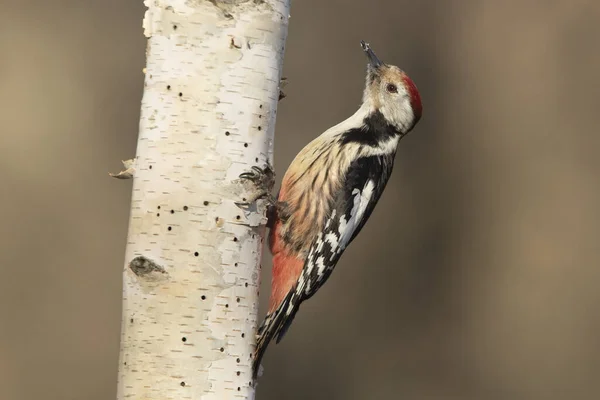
[405, 112]
[398, 111]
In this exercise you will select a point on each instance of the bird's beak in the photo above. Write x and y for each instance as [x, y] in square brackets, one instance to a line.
[374, 61]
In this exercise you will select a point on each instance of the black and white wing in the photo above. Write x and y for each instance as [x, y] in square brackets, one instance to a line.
[364, 184]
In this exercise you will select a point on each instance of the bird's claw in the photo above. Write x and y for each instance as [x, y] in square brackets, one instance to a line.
[263, 180]
[255, 174]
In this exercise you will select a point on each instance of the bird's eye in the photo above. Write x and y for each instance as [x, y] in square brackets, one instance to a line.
[391, 88]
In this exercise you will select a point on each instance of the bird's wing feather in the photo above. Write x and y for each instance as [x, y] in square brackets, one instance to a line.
[364, 183]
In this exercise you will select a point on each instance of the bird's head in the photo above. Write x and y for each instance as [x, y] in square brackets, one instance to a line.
[390, 91]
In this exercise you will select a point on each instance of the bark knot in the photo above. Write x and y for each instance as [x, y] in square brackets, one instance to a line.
[145, 268]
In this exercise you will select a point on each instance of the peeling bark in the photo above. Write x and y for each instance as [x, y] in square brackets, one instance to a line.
[192, 260]
[129, 170]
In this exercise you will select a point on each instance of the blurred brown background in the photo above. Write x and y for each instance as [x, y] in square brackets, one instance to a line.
[477, 276]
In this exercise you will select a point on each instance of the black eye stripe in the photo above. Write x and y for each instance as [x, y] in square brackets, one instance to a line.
[390, 87]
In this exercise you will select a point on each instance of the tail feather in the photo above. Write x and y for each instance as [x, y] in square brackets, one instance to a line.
[286, 324]
[274, 324]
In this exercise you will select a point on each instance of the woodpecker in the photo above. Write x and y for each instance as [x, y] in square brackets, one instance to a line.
[330, 190]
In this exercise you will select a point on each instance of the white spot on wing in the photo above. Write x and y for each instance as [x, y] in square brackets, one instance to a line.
[320, 266]
[342, 225]
[320, 244]
[332, 239]
[290, 308]
[361, 201]
[301, 280]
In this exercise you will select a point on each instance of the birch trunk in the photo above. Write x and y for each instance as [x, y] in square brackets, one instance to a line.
[192, 268]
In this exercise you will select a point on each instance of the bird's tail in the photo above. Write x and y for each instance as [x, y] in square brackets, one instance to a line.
[274, 324]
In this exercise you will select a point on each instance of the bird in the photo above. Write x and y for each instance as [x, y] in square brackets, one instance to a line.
[329, 192]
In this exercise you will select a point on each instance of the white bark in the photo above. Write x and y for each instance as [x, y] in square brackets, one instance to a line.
[192, 261]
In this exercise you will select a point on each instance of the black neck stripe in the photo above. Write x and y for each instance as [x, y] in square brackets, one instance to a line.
[375, 131]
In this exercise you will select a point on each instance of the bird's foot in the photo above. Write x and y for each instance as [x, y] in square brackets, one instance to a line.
[263, 180]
